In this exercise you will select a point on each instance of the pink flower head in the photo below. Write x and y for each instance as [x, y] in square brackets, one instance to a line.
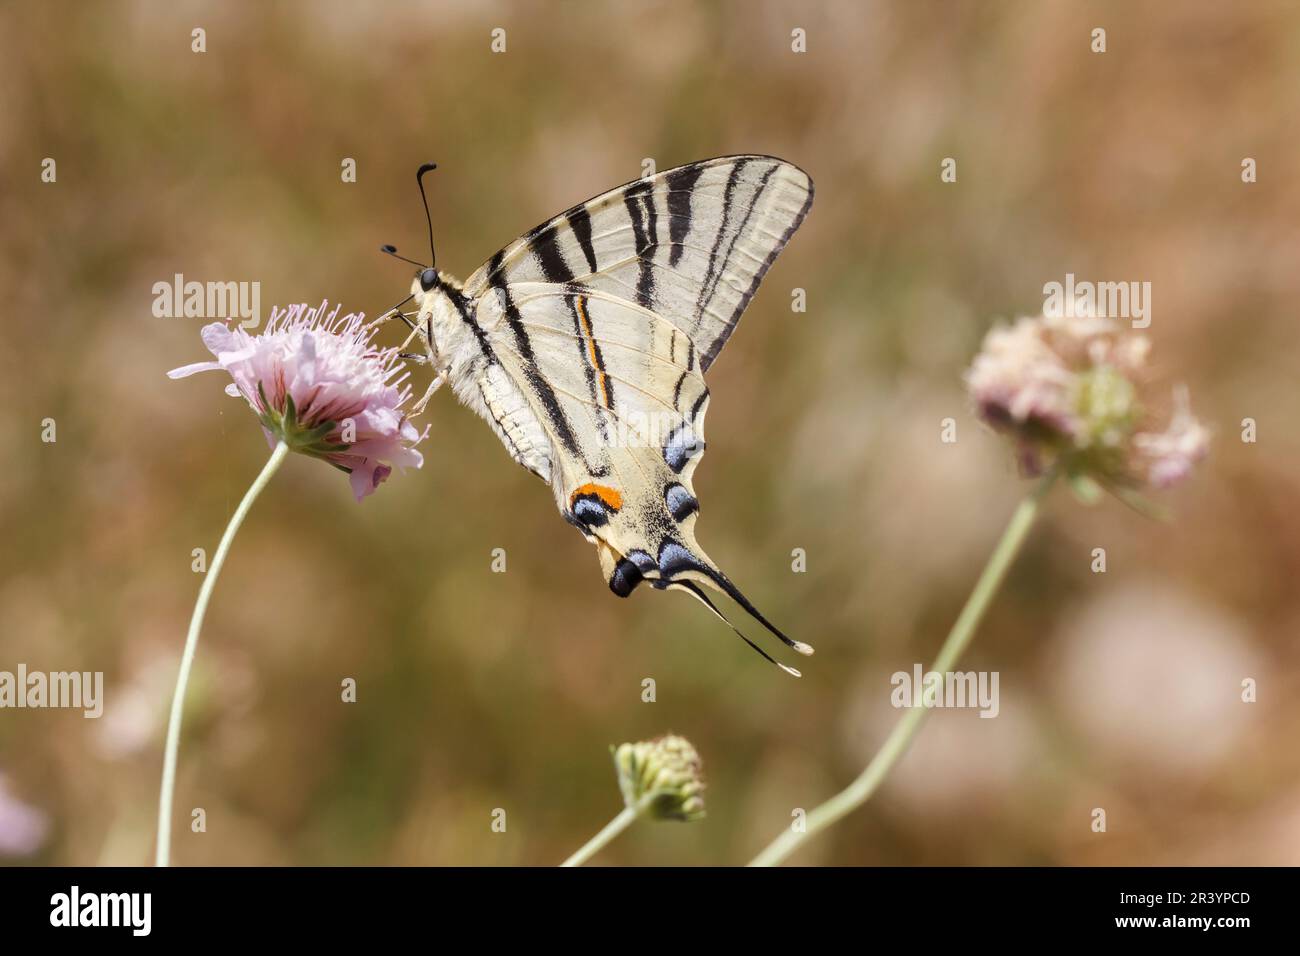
[1071, 391]
[318, 384]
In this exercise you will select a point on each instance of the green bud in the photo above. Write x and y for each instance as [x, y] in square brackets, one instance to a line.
[662, 776]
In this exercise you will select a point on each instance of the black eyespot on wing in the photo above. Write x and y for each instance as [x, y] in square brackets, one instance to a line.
[626, 576]
[627, 572]
[681, 503]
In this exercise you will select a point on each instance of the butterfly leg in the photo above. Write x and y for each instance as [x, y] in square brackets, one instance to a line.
[407, 343]
[394, 311]
[386, 317]
[436, 384]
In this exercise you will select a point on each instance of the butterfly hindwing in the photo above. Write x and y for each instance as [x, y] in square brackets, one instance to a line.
[623, 395]
[614, 385]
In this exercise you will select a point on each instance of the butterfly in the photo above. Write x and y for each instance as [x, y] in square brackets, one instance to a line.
[584, 344]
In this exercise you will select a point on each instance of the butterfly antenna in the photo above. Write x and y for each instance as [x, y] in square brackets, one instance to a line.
[694, 591]
[390, 250]
[419, 179]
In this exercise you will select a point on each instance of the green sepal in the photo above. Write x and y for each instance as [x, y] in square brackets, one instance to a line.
[266, 402]
[290, 414]
[317, 434]
[286, 427]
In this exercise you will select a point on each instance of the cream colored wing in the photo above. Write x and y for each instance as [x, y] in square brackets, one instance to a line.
[620, 392]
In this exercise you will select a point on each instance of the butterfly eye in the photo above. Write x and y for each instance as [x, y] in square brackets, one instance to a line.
[428, 279]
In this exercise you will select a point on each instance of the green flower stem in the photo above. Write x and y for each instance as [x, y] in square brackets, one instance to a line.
[900, 738]
[612, 829]
[163, 854]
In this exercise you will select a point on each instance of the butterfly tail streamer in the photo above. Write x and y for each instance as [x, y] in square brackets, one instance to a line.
[682, 565]
[686, 559]
[694, 591]
[721, 582]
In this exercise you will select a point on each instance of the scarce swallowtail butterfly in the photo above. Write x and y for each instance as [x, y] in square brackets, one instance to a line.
[584, 345]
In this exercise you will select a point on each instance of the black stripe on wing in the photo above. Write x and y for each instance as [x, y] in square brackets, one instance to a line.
[680, 183]
[546, 247]
[536, 381]
[706, 289]
[639, 201]
[579, 221]
[712, 352]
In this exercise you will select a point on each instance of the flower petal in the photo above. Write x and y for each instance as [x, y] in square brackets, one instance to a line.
[368, 476]
[337, 381]
[218, 337]
[185, 371]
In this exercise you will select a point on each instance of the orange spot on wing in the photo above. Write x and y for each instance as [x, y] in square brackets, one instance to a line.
[610, 496]
[581, 305]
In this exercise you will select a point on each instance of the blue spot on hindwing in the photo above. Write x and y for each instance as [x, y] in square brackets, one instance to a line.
[591, 511]
[681, 503]
[682, 445]
[675, 557]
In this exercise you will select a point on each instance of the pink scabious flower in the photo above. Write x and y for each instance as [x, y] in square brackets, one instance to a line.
[1068, 391]
[317, 382]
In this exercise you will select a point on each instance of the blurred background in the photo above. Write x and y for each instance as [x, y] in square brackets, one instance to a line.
[478, 690]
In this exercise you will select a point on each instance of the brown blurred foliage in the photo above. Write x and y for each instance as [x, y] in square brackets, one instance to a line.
[478, 690]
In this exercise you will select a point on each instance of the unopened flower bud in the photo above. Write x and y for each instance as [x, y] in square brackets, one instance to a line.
[666, 774]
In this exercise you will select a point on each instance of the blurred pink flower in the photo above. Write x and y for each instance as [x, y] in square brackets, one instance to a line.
[317, 383]
[1068, 390]
[1019, 381]
[22, 827]
[1170, 455]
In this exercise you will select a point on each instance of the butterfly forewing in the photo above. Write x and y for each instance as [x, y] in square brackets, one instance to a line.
[690, 244]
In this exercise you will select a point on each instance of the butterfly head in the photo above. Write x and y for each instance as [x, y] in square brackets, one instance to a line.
[426, 278]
